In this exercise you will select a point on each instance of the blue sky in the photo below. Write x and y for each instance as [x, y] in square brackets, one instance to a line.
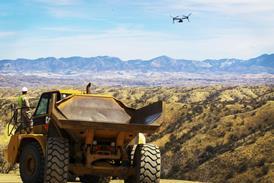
[136, 29]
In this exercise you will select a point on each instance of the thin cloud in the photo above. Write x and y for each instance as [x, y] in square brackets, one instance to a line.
[218, 29]
[63, 8]
[65, 13]
[63, 29]
[224, 6]
[57, 2]
[6, 34]
[131, 44]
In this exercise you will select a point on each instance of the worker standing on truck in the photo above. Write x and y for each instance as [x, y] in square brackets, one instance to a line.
[24, 106]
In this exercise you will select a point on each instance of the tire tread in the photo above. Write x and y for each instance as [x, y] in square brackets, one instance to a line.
[57, 160]
[147, 163]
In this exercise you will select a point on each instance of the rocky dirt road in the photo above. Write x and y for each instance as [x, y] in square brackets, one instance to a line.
[15, 178]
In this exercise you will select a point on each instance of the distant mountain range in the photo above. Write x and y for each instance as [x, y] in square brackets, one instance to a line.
[76, 65]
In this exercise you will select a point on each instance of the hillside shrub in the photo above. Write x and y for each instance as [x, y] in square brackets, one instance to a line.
[4, 166]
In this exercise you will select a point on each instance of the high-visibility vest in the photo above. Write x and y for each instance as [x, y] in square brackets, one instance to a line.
[20, 101]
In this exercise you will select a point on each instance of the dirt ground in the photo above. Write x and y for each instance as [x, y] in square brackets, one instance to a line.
[15, 178]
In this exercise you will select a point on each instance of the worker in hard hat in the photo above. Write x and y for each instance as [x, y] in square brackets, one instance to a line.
[24, 106]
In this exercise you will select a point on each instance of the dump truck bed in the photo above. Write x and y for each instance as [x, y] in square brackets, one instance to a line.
[103, 112]
[113, 126]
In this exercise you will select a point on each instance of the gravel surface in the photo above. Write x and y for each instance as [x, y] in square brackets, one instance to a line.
[15, 178]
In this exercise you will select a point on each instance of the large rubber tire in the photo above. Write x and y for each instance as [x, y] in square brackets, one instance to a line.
[132, 154]
[57, 160]
[94, 179]
[147, 164]
[31, 163]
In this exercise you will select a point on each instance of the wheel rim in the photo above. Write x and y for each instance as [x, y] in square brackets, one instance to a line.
[30, 165]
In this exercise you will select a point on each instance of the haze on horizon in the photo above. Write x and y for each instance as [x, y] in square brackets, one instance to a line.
[136, 29]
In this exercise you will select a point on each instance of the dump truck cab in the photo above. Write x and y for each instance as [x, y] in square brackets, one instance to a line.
[90, 136]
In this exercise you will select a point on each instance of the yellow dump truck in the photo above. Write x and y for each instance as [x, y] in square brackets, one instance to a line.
[95, 138]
